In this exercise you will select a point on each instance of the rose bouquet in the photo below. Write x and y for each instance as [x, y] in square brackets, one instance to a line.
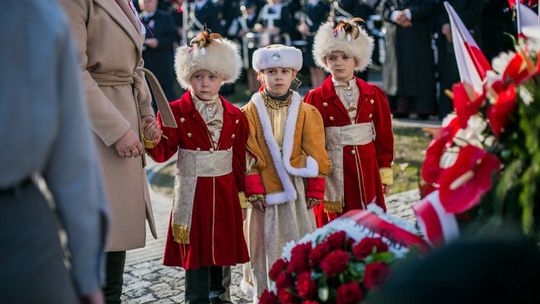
[341, 262]
[485, 161]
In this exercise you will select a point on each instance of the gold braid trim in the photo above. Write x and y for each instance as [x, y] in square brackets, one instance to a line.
[333, 206]
[180, 233]
[276, 104]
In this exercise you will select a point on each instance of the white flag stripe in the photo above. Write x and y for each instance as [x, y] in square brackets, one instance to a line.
[448, 220]
[525, 17]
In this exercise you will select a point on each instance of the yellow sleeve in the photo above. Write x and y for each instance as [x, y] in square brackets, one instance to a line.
[387, 176]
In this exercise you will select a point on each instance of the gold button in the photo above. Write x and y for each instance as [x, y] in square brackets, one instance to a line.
[325, 104]
[353, 152]
[233, 136]
[198, 149]
[189, 134]
[211, 149]
[236, 121]
[370, 115]
[372, 101]
[182, 119]
[331, 117]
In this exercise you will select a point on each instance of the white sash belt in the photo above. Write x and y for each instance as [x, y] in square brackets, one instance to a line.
[336, 139]
[191, 165]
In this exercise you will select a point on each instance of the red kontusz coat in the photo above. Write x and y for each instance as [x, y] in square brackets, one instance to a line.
[361, 163]
[216, 235]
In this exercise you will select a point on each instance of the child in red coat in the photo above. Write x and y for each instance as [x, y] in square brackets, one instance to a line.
[205, 232]
[357, 121]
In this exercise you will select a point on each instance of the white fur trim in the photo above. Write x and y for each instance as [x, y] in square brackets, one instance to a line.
[220, 57]
[289, 193]
[326, 42]
[312, 168]
[277, 56]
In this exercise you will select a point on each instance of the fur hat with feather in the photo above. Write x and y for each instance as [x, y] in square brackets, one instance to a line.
[346, 37]
[211, 52]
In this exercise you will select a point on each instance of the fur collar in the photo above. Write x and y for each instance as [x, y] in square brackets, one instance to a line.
[282, 161]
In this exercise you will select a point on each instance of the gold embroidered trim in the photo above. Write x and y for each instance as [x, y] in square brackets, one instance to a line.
[180, 233]
[333, 206]
[276, 104]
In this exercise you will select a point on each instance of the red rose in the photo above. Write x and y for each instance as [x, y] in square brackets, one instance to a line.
[318, 253]
[375, 274]
[335, 262]
[285, 297]
[337, 239]
[349, 293]
[365, 247]
[284, 280]
[268, 297]
[310, 302]
[307, 288]
[300, 258]
[277, 268]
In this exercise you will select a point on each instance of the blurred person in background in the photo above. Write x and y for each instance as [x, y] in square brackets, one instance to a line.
[408, 71]
[314, 13]
[158, 45]
[44, 125]
[241, 30]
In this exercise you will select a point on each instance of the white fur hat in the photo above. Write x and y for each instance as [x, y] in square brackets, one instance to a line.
[342, 38]
[277, 55]
[208, 52]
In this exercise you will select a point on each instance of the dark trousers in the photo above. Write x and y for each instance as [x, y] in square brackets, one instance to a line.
[32, 268]
[112, 291]
[208, 285]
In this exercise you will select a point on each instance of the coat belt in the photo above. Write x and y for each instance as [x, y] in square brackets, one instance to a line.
[137, 81]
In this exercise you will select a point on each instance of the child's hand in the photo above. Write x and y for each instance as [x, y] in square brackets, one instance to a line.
[385, 189]
[152, 131]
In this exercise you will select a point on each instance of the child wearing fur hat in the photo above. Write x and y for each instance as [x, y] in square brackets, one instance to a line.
[286, 164]
[357, 122]
[205, 231]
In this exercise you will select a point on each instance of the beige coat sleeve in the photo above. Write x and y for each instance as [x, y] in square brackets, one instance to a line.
[106, 121]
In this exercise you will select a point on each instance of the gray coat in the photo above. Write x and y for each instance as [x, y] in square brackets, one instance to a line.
[45, 130]
[408, 68]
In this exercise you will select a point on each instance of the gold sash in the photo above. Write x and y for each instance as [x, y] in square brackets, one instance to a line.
[336, 139]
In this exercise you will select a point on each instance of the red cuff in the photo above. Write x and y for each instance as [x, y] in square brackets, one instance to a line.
[253, 185]
[315, 187]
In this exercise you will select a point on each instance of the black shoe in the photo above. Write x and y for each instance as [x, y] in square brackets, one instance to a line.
[401, 115]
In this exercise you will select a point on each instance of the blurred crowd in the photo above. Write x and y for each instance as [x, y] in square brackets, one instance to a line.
[413, 48]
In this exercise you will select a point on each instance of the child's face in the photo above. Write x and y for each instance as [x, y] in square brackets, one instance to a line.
[205, 84]
[340, 65]
[277, 80]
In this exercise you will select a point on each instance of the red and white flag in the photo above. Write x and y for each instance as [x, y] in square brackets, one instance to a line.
[525, 17]
[471, 62]
[438, 226]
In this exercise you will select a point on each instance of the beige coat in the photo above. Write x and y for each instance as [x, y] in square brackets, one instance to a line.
[109, 42]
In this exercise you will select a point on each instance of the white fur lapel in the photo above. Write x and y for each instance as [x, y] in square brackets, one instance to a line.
[282, 163]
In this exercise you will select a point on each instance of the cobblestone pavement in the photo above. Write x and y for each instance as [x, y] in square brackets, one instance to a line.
[146, 280]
